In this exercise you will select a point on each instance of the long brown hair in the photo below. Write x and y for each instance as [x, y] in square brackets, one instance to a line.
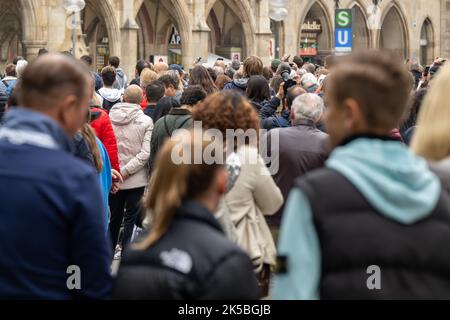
[89, 136]
[173, 183]
[201, 77]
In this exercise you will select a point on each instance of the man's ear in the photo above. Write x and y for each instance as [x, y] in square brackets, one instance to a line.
[66, 109]
[354, 116]
[222, 181]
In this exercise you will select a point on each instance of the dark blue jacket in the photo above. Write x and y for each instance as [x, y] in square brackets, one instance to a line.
[51, 214]
[267, 113]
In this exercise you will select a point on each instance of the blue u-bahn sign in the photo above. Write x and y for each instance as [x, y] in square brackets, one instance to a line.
[343, 35]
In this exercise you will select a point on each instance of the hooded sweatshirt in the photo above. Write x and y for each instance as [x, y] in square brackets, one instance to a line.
[111, 95]
[239, 85]
[395, 182]
[121, 80]
[133, 130]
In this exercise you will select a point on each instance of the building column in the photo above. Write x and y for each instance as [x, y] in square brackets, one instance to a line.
[199, 44]
[263, 32]
[129, 40]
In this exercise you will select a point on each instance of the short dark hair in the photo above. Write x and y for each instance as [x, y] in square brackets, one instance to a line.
[42, 51]
[114, 61]
[212, 73]
[10, 70]
[193, 95]
[258, 89]
[377, 81]
[292, 94]
[155, 91]
[87, 59]
[168, 80]
[141, 65]
[298, 61]
[108, 76]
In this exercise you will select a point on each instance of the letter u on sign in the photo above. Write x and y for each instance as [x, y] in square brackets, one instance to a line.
[343, 38]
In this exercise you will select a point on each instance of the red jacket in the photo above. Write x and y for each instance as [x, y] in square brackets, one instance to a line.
[105, 132]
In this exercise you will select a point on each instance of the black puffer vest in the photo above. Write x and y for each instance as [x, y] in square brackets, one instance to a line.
[414, 259]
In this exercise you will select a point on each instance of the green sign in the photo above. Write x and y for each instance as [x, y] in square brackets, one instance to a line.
[343, 18]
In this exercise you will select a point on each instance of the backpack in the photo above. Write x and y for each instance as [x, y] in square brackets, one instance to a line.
[10, 85]
[107, 105]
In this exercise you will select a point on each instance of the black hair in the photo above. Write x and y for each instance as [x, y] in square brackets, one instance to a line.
[212, 73]
[193, 95]
[87, 59]
[108, 76]
[298, 61]
[141, 65]
[155, 91]
[114, 61]
[258, 89]
[167, 80]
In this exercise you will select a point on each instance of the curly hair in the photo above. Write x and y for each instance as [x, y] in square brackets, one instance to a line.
[226, 110]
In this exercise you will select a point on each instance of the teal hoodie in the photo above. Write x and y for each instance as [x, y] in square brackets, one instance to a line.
[395, 182]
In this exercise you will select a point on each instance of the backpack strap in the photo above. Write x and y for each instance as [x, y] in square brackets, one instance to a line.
[170, 132]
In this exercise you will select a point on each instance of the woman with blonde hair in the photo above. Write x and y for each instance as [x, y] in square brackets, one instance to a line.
[147, 77]
[186, 254]
[431, 138]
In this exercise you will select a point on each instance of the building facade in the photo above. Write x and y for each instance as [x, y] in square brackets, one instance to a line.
[180, 31]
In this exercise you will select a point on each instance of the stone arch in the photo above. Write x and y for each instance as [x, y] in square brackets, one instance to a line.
[179, 14]
[427, 42]
[325, 42]
[107, 13]
[29, 20]
[394, 35]
[243, 11]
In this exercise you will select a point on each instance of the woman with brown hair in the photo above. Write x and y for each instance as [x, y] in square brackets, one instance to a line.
[201, 77]
[185, 255]
[255, 193]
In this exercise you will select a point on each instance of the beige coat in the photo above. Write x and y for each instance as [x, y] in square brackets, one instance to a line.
[254, 195]
[133, 130]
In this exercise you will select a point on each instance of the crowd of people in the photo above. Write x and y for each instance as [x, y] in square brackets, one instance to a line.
[354, 172]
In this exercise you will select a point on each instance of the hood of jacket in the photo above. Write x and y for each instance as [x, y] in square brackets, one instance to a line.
[24, 126]
[396, 183]
[241, 83]
[110, 94]
[124, 113]
[120, 73]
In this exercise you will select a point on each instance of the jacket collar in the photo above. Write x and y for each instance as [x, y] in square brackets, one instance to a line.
[24, 126]
[365, 136]
[304, 123]
[194, 211]
[180, 112]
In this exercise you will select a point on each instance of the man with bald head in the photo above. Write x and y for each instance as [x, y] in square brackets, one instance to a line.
[51, 233]
[133, 130]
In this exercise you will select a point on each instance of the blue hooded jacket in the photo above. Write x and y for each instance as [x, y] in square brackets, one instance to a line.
[51, 214]
[396, 183]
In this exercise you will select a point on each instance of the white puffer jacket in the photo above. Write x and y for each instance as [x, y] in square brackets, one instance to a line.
[133, 130]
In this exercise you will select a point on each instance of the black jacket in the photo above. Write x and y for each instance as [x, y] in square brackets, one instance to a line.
[192, 261]
[414, 259]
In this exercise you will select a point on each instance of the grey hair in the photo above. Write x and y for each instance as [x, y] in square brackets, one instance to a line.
[308, 106]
